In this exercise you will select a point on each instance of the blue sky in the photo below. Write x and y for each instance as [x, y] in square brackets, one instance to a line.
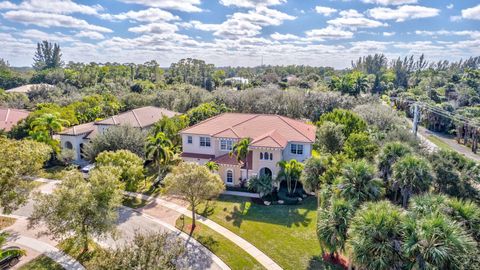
[240, 32]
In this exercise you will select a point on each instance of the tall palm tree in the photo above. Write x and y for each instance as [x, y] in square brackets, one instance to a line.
[411, 175]
[360, 83]
[49, 123]
[290, 171]
[390, 153]
[159, 149]
[212, 166]
[358, 183]
[436, 242]
[332, 225]
[375, 236]
[241, 149]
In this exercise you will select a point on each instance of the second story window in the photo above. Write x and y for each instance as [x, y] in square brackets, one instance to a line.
[266, 156]
[189, 140]
[205, 141]
[226, 145]
[296, 149]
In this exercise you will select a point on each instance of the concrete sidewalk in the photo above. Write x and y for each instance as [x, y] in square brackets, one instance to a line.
[261, 257]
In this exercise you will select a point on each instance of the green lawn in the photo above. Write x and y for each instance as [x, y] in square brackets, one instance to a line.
[226, 250]
[286, 233]
[42, 262]
[441, 144]
[134, 202]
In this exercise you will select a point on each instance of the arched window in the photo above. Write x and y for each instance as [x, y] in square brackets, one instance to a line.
[265, 156]
[271, 156]
[229, 176]
[261, 155]
[68, 145]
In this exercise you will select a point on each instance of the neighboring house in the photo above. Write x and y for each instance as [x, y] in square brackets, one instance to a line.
[239, 80]
[274, 138]
[10, 117]
[29, 87]
[77, 136]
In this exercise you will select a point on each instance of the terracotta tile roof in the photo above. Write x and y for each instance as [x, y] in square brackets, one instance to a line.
[279, 129]
[141, 117]
[195, 155]
[10, 117]
[271, 139]
[88, 130]
[227, 160]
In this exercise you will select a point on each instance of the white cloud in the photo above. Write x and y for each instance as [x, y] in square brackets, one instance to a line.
[53, 6]
[353, 19]
[467, 33]
[388, 34]
[181, 5]
[328, 32]
[390, 2]
[450, 6]
[90, 35]
[403, 13]
[278, 36]
[245, 24]
[472, 13]
[146, 15]
[327, 11]
[36, 35]
[251, 3]
[155, 28]
[51, 20]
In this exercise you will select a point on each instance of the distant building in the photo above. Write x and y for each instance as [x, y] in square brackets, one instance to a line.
[142, 118]
[274, 138]
[10, 117]
[234, 80]
[29, 87]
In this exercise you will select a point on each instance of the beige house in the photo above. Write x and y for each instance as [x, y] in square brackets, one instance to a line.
[143, 118]
[274, 138]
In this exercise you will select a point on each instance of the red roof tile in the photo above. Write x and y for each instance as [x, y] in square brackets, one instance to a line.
[10, 117]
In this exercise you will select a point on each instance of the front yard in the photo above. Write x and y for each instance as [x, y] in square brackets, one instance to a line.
[286, 233]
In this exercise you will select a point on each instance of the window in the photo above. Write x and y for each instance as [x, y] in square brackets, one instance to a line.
[189, 140]
[296, 149]
[261, 155]
[68, 145]
[271, 156]
[226, 145]
[266, 156]
[205, 141]
[229, 176]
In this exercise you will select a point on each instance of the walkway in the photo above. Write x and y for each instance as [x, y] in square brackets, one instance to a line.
[17, 237]
[130, 221]
[261, 257]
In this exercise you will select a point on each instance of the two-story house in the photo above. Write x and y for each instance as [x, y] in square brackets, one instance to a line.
[77, 136]
[273, 138]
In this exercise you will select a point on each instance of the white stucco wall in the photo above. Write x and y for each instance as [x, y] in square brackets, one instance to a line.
[195, 147]
[75, 141]
[307, 152]
[258, 163]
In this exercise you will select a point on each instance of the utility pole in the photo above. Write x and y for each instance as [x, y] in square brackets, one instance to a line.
[416, 118]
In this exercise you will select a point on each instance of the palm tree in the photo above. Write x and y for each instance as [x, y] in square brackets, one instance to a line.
[241, 149]
[212, 166]
[375, 236]
[360, 83]
[49, 123]
[411, 175]
[358, 183]
[436, 242]
[332, 225]
[290, 171]
[390, 153]
[160, 150]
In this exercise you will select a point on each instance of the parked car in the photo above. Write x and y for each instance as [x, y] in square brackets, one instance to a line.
[86, 169]
[10, 257]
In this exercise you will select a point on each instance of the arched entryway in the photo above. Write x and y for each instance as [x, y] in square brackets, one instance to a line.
[265, 172]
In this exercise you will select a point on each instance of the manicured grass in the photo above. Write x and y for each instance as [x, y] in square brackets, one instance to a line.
[286, 233]
[75, 251]
[42, 262]
[134, 202]
[6, 222]
[441, 144]
[230, 253]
